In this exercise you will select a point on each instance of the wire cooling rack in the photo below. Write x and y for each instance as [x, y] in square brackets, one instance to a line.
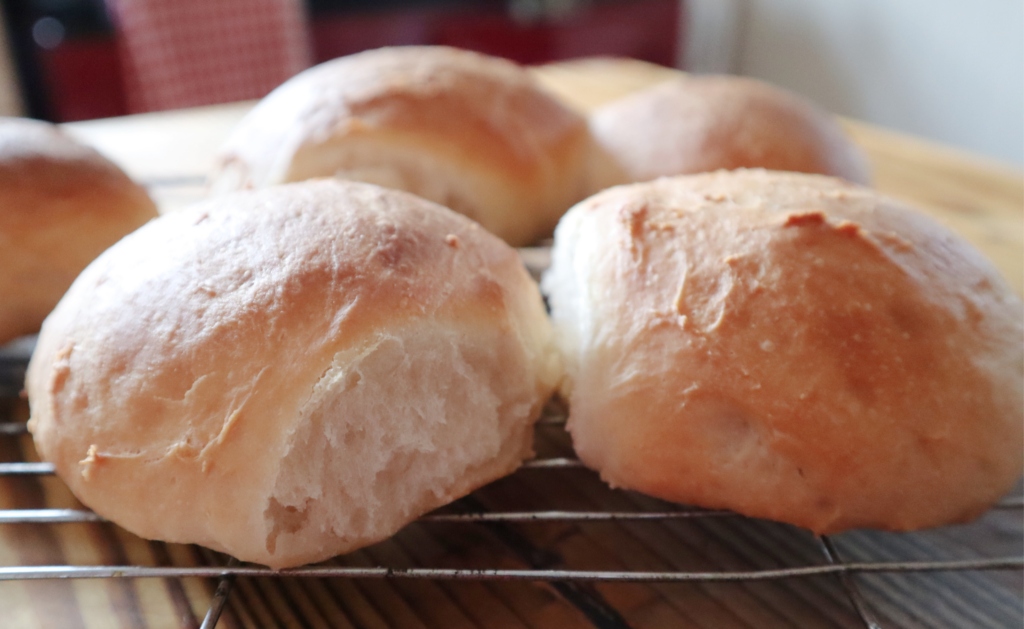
[779, 576]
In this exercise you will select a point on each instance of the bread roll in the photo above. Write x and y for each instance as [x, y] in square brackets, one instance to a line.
[289, 374]
[61, 205]
[703, 123]
[471, 132]
[790, 347]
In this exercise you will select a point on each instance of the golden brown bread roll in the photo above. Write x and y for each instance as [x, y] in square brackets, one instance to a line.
[703, 123]
[61, 205]
[471, 132]
[291, 373]
[790, 347]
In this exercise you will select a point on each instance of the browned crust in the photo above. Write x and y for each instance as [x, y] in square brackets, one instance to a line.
[186, 352]
[703, 123]
[789, 347]
[482, 117]
[62, 205]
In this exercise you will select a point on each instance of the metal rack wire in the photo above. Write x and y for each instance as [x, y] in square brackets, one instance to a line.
[574, 585]
[566, 580]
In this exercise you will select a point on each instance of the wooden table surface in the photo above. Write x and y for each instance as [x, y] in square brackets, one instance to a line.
[171, 152]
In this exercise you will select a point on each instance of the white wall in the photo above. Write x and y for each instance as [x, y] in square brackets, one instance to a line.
[10, 94]
[950, 70]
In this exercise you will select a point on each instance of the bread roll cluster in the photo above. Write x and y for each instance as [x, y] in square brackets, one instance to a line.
[61, 205]
[292, 372]
[479, 135]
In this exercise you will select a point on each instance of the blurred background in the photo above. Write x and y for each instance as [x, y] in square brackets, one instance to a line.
[948, 70]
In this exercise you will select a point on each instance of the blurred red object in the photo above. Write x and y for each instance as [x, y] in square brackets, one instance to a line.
[168, 54]
[647, 30]
[186, 53]
[84, 80]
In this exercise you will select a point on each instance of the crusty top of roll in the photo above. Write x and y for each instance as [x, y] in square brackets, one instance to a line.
[291, 373]
[703, 123]
[61, 205]
[469, 131]
[788, 346]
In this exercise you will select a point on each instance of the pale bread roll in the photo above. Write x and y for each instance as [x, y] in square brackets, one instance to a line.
[471, 132]
[289, 374]
[697, 124]
[790, 347]
[61, 205]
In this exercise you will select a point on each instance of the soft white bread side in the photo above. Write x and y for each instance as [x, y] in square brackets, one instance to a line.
[700, 124]
[790, 347]
[292, 373]
[61, 205]
[471, 132]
